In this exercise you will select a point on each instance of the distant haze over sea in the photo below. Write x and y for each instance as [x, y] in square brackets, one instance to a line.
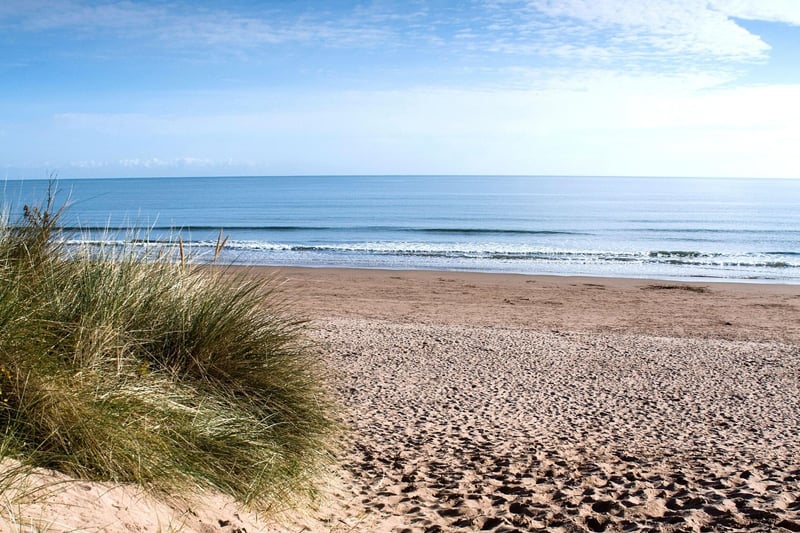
[668, 228]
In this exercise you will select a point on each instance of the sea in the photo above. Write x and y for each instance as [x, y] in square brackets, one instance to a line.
[660, 228]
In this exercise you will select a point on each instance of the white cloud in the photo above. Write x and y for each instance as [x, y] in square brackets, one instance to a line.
[155, 166]
[787, 11]
[654, 28]
[155, 162]
[89, 164]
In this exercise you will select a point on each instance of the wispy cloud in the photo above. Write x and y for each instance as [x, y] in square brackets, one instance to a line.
[688, 30]
[484, 41]
[155, 162]
[576, 29]
[185, 23]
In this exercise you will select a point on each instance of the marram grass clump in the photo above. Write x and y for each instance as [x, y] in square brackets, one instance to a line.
[139, 369]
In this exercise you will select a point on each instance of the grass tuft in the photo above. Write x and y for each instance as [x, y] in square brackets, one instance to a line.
[133, 368]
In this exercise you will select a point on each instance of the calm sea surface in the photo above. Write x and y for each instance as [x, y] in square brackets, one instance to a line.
[692, 229]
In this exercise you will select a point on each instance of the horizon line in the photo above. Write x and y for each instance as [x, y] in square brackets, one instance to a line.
[377, 175]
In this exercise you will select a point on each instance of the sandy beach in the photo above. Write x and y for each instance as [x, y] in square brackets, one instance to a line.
[519, 403]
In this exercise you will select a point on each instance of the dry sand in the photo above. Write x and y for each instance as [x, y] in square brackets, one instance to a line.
[517, 403]
[503, 403]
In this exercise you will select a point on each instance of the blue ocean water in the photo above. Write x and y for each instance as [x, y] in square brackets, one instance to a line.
[667, 228]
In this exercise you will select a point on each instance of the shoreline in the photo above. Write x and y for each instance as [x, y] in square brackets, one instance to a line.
[760, 281]
[623, 280]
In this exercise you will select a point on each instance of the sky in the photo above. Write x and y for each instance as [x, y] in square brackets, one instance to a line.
[529, 87]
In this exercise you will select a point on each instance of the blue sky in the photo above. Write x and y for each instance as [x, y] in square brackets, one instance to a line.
[565, 87]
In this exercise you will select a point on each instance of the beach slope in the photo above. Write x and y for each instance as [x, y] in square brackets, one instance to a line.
[502, 403]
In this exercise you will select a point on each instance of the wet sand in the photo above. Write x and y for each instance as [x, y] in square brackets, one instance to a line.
[735, 311]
